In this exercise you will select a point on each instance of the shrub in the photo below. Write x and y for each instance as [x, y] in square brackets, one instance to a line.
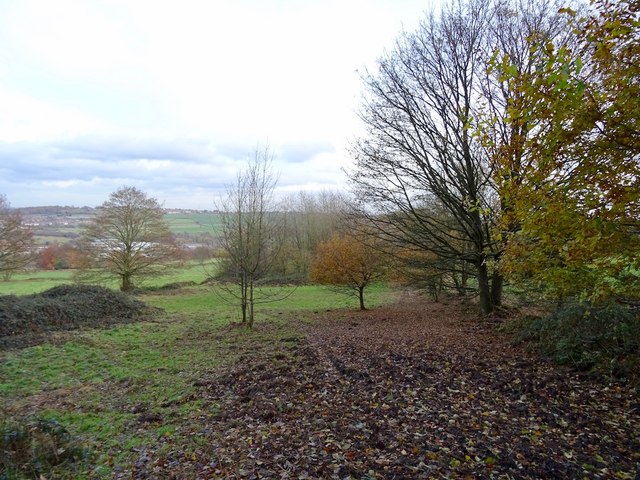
[603, 339]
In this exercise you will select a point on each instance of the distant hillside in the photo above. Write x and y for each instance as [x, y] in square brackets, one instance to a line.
[67, 210]
[62, 224]
[54, 210]
[194, 224]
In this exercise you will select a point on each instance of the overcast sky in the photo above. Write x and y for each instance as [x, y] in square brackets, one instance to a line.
[173, 96]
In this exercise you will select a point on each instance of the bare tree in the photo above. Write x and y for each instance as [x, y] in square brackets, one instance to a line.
[309, 219]
[16, 240]
[128, 239]
[424, 177]
[420, 172]
[250, 232]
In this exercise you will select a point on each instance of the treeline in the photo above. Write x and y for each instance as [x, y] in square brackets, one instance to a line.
[298, 224]
[55, 210]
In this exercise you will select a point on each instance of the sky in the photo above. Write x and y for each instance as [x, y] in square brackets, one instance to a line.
[173, 97]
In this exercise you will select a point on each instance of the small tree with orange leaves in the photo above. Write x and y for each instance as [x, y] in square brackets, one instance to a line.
[348, 262]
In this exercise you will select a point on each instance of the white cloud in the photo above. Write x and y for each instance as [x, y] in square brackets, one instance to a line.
[173, 96]
[26, 118]
[72, 37]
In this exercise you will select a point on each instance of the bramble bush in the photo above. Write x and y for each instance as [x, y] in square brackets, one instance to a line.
[602, 339]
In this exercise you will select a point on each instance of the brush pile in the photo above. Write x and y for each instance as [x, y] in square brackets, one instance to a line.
[25, 319]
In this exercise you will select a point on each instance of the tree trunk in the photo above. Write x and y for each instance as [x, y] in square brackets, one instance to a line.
[485, 289]
[461, 283]
[126, 284]
[464, 277]
[250, 324]
[243, 300]
[457, 284]
[361, 297]
[243, 306]
[497, 283]
[434, 292]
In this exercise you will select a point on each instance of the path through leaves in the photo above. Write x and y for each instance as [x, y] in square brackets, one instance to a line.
[414, 390]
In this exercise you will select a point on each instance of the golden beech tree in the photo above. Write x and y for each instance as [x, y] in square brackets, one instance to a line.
[576, 199]
[348, 262]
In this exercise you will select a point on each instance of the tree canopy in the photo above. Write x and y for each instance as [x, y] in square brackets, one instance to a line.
[348, 262]
[16, 240]
[423, 175]
[576, 200]
[128, 239]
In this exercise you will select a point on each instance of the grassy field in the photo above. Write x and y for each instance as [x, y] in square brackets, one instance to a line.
[179, 223]
[194, 223]
[306, 298]
[122, 390]
[33, 282]
[43, 240]
[41, 280]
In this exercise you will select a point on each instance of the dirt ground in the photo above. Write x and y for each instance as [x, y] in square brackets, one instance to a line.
[412, 390]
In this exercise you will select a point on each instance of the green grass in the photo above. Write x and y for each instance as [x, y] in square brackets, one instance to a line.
[33, 282]
[195, 223]
[93, 383]
[96, 382]
[41, 280]
[310, 298]
[318, 298]
[192, 272]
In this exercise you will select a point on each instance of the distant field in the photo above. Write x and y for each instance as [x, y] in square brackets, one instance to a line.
[59, 232]
[194, 223]
[42, 240]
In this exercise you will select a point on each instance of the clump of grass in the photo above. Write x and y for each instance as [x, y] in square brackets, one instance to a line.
[37, 448]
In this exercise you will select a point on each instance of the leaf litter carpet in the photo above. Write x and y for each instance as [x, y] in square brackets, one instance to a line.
[413, 390]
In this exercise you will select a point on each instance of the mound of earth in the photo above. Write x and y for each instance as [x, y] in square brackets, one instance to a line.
[25, 319]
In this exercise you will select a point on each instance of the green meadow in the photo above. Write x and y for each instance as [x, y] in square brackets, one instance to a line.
[99, 383]
[41, 280]
[180, 224]
[194, 223]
